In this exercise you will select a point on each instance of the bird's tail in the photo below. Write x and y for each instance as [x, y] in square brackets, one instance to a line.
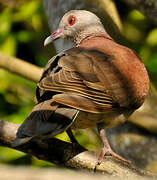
[20, 141]
[46, 119]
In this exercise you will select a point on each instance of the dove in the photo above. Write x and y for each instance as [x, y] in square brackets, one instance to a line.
[96, 84]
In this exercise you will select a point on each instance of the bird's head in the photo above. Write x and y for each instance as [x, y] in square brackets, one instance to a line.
[76, 25]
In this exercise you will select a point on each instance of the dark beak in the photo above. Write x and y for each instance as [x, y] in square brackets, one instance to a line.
[56, 35]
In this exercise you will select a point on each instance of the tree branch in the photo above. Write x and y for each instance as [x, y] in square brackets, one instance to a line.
[20, 67]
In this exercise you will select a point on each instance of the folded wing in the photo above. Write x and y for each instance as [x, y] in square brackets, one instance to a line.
[80, 81]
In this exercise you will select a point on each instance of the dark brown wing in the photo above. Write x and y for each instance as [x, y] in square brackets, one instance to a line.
[47, 117]
[51, 68]
[81, 80]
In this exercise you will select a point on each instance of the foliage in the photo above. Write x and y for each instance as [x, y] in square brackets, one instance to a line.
[22, 32]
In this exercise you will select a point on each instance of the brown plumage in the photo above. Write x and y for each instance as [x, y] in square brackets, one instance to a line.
[98, 83]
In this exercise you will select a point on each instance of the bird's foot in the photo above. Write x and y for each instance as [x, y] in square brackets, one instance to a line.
[109, 152]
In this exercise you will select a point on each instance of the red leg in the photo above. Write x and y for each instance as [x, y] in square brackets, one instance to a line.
[106, 149]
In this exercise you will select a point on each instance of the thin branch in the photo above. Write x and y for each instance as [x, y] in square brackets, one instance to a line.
[20, 67]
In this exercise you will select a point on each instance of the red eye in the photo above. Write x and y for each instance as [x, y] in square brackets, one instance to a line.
[71, 20]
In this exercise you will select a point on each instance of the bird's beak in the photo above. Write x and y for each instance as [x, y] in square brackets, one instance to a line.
[55, 35]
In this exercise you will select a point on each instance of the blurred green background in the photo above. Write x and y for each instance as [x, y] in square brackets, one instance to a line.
[23, 29]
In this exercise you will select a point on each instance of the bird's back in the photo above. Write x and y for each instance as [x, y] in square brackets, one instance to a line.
[127, 77]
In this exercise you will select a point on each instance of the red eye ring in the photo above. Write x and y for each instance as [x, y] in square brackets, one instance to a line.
[71, 20]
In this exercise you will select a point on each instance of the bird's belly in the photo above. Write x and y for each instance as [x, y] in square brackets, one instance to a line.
[90, 120]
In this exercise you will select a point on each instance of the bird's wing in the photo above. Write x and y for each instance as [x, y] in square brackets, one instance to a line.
[50, 68]
[47, 117]
[81, 80]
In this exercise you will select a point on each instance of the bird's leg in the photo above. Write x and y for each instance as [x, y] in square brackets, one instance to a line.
[106, 149]
[75, 143]
[72, 137]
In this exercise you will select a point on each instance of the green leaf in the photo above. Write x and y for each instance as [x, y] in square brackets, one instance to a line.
[6, 154]
[138, 19]
[5, 21]
[152, 37]
[24, 36]
[152, 66]
[145, 53]
[9, 45]
[37, 22]
[26, 11]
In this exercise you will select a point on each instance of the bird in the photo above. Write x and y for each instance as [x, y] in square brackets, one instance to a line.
[98, 83]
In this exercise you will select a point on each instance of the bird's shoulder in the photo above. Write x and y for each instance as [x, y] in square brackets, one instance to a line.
[83, 64]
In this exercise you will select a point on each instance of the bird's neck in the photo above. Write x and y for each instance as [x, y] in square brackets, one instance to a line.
[89, 33]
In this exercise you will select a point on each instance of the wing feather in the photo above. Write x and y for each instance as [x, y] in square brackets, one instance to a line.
[79, 75]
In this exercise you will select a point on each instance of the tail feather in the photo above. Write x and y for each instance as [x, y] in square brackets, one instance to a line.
[46, 119]
[20, 141]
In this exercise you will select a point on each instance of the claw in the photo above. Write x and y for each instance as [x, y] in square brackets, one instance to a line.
[106, 149]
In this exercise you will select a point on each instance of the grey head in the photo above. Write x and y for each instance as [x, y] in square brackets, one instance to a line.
[77, 25]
